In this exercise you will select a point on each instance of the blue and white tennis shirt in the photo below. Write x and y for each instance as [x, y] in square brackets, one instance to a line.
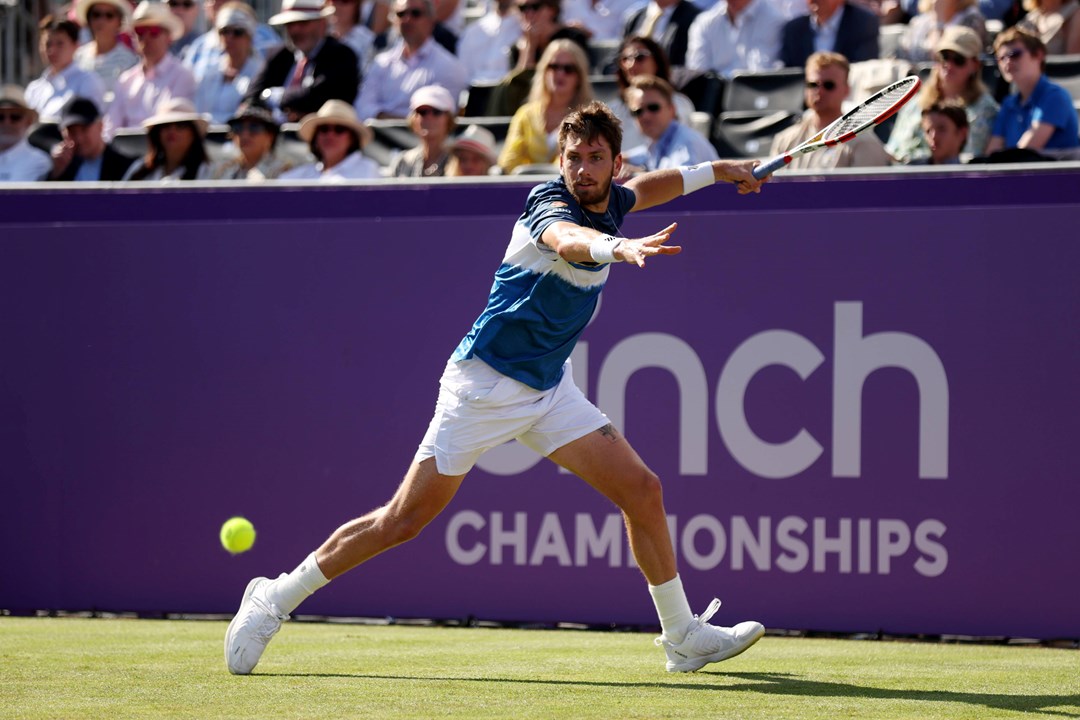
[540, 303]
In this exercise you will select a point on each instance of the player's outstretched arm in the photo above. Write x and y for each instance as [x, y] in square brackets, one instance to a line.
[583, 245]
[661, 186]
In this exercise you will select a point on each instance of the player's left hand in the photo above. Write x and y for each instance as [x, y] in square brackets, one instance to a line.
[636, 250]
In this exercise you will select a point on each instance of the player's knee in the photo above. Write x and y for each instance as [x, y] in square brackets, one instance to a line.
[400, 528]
[644, 493]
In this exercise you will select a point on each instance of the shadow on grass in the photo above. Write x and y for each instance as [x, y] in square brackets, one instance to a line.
[775, 684]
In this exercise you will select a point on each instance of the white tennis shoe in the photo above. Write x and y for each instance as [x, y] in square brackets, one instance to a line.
[705, 643]
[255, 623]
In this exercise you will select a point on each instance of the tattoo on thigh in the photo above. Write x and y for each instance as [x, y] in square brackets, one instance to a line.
[609, 432]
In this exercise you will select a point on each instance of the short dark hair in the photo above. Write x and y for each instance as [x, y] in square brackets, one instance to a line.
[51, 23]
[590, 122]
[952, 109]
[663, 66]
[651, 82]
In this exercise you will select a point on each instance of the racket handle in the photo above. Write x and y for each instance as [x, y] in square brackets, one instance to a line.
[770, 166]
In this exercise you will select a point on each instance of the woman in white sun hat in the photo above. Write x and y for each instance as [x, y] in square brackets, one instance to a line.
[336, 138]
[105, 54]
[431, 119]
[176, 151]
[472, 154]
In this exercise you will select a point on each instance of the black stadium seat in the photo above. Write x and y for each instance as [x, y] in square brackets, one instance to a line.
[706, 91]
[1064, 70]
[766, 91]
[479, 94]
[749, 134]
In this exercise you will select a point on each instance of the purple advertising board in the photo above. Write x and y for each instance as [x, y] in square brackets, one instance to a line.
[860, 393]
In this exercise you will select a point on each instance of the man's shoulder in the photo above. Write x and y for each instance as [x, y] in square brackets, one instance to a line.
[857, 16]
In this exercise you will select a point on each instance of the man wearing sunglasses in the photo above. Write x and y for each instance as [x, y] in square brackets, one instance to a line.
[158, 78]
[650, 101]
[826, 88]
[19, 160]
[1039, 115]
[311, 69]
[414, 62]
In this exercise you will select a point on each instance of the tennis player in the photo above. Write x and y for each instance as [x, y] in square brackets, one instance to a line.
[510, 378]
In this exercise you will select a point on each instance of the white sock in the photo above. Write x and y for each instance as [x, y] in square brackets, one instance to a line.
[288, 591]
[672, 608]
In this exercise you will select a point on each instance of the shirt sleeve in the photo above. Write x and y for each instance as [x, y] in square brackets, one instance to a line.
[1055, 108]
[548, 204]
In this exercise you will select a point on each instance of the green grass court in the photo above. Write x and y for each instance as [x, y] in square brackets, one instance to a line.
[121, 668]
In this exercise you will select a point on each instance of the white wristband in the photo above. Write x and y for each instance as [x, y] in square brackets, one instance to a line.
[696, 177]
[602, 249]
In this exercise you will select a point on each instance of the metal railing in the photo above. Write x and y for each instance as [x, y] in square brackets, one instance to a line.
[19, 39]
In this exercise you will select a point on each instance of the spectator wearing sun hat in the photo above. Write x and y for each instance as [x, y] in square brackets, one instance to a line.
[105, 54]
[19, 160]
[336, 137]
[473, 153]
[158, 78]
[223, 84]
[312, 68]
[176, 151]
[254, 133]
[431, 119]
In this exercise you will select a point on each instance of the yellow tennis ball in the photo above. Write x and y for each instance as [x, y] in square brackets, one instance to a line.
[237, 535]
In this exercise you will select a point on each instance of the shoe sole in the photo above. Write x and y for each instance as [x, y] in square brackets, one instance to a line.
[232, 624]
[698, 663]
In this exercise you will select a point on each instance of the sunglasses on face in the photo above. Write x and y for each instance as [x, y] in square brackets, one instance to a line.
[232, 32]
[952, 58]
[11, 117]
[559, 67]
[249, 126]
[829, 85]
[529, 7]
[149, 32]
[631, 58]
[425, 111]
[185, 4]
[332, 130]
[1010, 54]
[99, 15]
[414, 13]
[647, 108]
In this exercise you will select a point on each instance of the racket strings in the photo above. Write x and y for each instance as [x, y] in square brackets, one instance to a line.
[873, 109]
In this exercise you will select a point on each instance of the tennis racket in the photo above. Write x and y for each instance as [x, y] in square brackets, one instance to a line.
[875, 110]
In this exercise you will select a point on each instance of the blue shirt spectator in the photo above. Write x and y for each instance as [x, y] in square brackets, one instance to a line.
[1048, 104]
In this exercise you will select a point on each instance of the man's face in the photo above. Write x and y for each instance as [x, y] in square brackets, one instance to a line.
[822, 10]
[57, 49]
[85, 139]
[1017, 64]
[587, 168]
[414, 22]
[14, 122]
[945, 139]
[306, 34]
[826, 88]
[652, 112]
[153, 43]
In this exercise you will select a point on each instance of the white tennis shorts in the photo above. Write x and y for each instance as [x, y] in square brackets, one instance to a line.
[480, 408]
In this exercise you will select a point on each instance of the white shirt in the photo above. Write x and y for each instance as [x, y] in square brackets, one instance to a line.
[139, 92]
[50, 92]
[108, 66]
[356, 166]
[22, 162]
[484, 47]
[362, 42]
[158, 174]
[752, 42]
[605, 19]
[392, 78]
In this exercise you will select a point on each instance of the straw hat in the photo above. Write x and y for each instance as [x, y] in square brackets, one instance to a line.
[157, 14]
[178, 110]
[478, 140]
[300, 10]
[960, 39]
[13, 96]
[334, 112]
[82, 8]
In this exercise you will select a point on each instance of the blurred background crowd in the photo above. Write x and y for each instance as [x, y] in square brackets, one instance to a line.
[333, 90]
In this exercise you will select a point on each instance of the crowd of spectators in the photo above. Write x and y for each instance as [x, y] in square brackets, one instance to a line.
[324, 72]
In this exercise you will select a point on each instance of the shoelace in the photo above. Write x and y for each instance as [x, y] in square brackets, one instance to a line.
[697, 622]
[270, 623]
